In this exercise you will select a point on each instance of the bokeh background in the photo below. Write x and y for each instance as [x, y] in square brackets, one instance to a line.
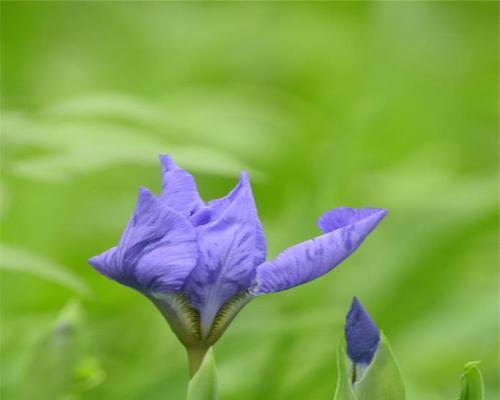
[383, 104]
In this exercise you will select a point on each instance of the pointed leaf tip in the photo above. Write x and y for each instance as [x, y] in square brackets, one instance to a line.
[472, 382]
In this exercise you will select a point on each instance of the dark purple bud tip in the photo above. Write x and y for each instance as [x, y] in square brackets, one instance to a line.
[362, 335]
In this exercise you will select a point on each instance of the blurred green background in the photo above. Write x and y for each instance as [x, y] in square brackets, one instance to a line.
[385, 104]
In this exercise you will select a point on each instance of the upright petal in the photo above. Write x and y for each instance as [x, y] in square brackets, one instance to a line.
[230, 247]
[179, 189]
[157, 250]
[345, 229]
[361, 334]
[218, 206]
[215, 208]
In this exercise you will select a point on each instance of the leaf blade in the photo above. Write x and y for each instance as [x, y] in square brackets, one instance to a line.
[472, 382]
[18, 259]
[382, 379]
[343, 390]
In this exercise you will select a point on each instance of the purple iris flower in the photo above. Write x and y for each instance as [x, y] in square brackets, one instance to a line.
[362, 338]
[200, 263]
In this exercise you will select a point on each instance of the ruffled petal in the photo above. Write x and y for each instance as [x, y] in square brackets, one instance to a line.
[179, 189]
[215, 208]
[230, 247]
[345, 229]
[361, 334]
[157, 251]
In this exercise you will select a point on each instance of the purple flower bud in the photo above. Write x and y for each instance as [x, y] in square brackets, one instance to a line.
[361, 334]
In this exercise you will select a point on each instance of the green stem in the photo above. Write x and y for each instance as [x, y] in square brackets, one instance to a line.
[195, 357]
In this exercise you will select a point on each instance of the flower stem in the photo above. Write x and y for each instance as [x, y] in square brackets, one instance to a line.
[195, 357]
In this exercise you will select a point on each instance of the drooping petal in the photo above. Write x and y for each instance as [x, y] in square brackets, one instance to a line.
[361, 334]
[230, 247]
[157, 251]
[179, 189]
[345, 229]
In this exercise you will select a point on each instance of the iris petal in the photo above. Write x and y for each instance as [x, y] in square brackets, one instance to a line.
[345, 229]
[179, 189]
[157, 250]
[230, 247]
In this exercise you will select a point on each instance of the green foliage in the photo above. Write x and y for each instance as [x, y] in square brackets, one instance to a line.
[472, 382]
[382, 104]
[76, 139]
[21, 260]
[61, 368]
[203, 385]
[381, 381]
[343, 390]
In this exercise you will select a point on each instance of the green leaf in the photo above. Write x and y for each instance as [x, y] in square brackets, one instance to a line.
[344, 386]
[203, 385]
[472, 382]
[108, 105]
[382, 379]
[61, 366]
[66, 149]
[21, 260]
